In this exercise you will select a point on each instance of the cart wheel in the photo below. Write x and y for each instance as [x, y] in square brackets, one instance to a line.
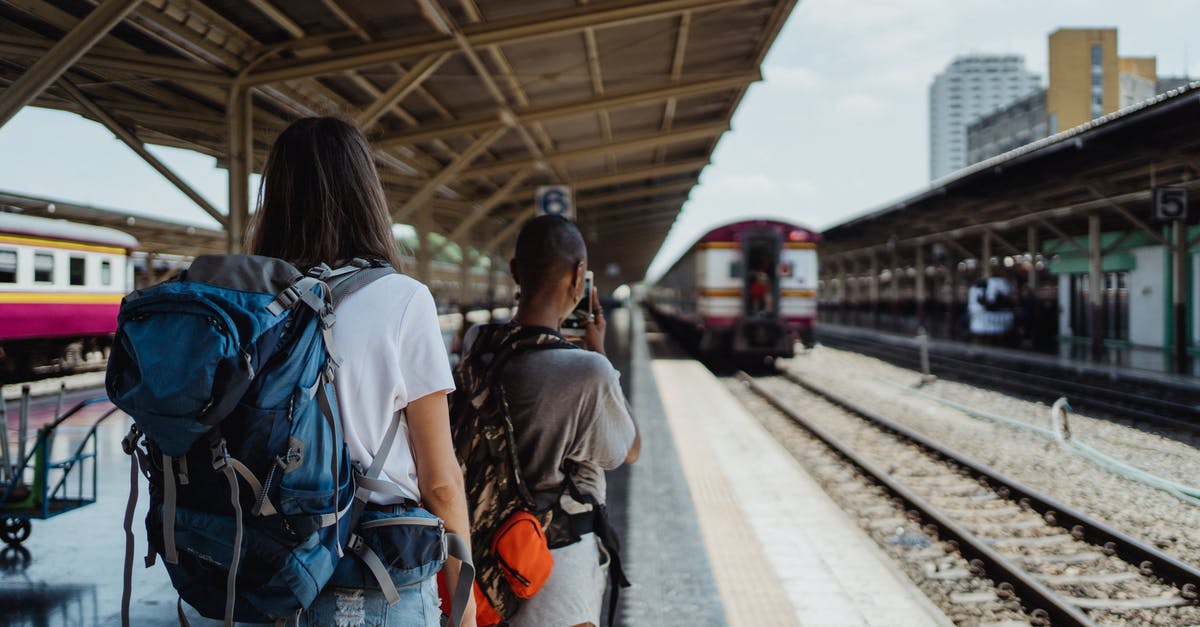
[14, 559]
[15, 530]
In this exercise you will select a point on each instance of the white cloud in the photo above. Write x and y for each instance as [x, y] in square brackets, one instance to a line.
[863, 105]
[800, 187]
[734, 184]
[793, 78]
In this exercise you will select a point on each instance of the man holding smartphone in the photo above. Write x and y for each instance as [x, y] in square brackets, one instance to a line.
[576, 324]
[570, 418]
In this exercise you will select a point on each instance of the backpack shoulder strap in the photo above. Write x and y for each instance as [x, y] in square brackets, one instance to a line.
[354, 276]
[504, 342]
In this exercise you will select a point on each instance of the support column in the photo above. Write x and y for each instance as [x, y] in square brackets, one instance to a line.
[241, 158]
[1096, 286]
[464, 278]
[920, 287]
[62, 56]
[873, 289]
[855, 316]
[493, 280]
[843, 291]
[952, 309]
[1179, 294]
[1031, 243]
[985, 264]
[894, 285]
[424, 226]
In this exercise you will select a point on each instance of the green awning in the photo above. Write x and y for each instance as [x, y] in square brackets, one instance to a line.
[1077, 263]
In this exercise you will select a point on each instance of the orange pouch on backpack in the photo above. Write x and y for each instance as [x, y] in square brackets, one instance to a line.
[520, 547]
[485, 614]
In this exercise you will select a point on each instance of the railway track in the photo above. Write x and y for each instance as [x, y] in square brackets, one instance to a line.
[1065, 567]
[1172, 407]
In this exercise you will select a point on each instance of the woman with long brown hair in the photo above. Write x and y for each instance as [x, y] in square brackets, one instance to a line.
[320, 201]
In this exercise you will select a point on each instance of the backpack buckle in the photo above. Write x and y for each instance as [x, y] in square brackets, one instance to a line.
[354, 544]
[319, 271]
[129, 442]
[284, 300]
[220, 458]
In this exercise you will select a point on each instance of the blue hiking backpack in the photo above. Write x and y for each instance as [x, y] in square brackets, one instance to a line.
[227, 371]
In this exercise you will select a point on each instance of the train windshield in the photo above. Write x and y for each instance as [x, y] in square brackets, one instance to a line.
[761, 293]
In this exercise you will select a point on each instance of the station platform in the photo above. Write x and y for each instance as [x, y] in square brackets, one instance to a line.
[1147, 361]
[1066, 367]
[721, 526]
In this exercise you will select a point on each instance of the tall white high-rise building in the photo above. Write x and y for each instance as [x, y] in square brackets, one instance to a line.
[971, 86]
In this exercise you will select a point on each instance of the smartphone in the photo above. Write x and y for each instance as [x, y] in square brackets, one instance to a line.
[579, 317]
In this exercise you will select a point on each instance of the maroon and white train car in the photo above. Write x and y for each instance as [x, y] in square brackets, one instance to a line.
[61, 284]
[746, 289]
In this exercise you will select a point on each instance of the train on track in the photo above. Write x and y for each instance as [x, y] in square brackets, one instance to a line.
[745, 292]
[61, 284]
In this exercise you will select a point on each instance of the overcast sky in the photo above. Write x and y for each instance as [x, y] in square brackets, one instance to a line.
[839, 126]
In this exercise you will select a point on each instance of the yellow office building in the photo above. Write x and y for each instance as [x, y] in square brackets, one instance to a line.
[1084, 76]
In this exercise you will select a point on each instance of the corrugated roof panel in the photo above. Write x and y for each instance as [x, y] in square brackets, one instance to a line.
[162, 73]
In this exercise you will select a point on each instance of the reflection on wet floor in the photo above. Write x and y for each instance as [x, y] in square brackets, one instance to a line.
[48, 604]
[68, 573]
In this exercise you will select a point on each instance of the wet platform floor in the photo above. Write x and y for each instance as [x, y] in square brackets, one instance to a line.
[708, 539]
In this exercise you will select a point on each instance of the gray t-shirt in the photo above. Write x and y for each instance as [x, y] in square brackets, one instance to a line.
[566, 404]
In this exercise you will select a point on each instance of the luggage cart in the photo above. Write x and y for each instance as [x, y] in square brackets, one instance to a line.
[33, 486]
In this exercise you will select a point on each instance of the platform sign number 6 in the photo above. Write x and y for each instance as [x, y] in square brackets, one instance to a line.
[555, 200]
[1170, 203]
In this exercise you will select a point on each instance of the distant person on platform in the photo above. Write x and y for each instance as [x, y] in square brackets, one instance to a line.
[568, 412]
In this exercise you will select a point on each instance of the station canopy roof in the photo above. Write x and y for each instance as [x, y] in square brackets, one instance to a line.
[470, 104]
[153, 236]
[1107, 167]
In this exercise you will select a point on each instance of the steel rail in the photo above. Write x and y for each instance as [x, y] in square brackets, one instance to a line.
[1036, 596]
[1084, 527]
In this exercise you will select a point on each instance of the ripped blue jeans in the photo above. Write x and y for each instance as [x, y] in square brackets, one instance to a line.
[357, 607]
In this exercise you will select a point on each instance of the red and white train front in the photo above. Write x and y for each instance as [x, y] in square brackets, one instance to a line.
[61, 284]
[747, 289]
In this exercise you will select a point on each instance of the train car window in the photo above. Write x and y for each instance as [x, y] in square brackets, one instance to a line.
[735, 269]
[8, 266]
[105, 272]
[43, 268]
[78, 270]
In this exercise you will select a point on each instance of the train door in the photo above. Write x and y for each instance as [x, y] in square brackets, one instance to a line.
[760, 258]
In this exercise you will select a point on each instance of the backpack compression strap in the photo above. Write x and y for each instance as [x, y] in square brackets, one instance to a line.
[597, 522]
[456, 546]
[528, 339]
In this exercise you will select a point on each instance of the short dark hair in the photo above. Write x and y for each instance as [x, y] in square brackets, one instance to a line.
[320, 200]
[548, 247]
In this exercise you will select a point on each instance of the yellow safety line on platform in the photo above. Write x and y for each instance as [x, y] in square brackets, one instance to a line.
[59, 298]
[750, 592]
[54, 243]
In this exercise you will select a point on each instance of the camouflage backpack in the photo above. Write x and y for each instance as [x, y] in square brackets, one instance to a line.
[487, 452]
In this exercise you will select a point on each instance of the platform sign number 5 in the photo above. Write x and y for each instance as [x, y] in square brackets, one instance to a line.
[1170, 203]
[555, 200]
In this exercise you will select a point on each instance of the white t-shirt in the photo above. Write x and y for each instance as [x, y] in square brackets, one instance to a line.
[392, 353]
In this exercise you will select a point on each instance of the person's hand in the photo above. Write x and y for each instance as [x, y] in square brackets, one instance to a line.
[593, 332]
